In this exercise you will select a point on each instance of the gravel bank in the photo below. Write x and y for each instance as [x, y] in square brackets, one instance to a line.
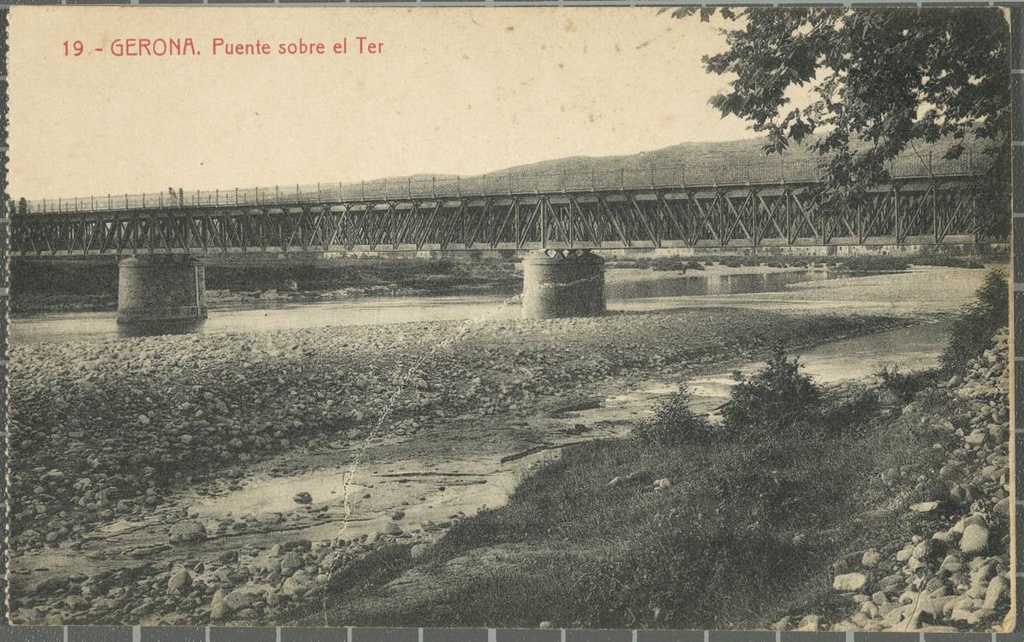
[106, 432]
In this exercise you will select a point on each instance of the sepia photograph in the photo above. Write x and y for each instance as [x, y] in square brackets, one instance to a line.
[540, 318]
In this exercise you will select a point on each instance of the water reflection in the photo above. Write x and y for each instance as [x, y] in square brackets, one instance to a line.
[621, 286]
[157, 328]
[711, 283]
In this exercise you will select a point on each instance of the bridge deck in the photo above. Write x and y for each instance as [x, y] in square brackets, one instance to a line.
[914, 209]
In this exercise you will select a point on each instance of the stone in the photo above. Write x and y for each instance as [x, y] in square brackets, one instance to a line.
[976, 438]
[809, 623]
[1002, 507]
[951, 564]
[924, 507]
[297, 585]
[240, 598]
[974, 540]
[300, 544]
[849, 582]
[219, 611]
[661, 484]
[291, 562]
[179, 582]
[871, 558]
[187, 532]
[303, 498]
[996, 592]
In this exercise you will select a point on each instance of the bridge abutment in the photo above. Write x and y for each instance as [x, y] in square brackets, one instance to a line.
[160, 295]
[563, 283]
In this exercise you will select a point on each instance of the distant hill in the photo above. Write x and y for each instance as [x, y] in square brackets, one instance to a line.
[676, 164]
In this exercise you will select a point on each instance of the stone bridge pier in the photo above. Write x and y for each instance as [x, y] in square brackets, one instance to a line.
[160, 295]
[563, 283]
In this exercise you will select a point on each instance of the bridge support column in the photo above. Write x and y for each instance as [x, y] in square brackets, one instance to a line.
[160, 295]
[563, 283]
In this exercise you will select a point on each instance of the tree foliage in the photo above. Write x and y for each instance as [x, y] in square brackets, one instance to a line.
[879, 79]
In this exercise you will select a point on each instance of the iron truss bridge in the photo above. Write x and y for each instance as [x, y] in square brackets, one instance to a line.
[723, 211]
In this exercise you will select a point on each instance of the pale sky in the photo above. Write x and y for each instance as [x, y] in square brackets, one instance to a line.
[456, 91]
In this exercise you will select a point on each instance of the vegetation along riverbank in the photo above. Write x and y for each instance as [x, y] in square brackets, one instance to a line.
[880, 505]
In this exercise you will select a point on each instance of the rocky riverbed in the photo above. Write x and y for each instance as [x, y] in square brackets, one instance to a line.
[116, 445]
[955, 573]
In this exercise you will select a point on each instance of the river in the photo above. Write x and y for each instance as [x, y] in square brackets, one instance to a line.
[625, 290]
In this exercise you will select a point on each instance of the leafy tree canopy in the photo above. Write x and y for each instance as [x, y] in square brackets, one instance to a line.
[880, 79]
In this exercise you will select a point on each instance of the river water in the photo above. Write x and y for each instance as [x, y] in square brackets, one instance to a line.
[624, 290]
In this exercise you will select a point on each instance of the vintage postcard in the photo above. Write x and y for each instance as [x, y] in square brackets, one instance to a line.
[510, 317]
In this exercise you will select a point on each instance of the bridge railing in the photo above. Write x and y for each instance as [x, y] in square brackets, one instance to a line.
[773, 171]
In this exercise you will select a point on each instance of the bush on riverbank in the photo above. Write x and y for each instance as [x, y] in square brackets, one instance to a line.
[772, 400]
[973, 329]
[674, 424]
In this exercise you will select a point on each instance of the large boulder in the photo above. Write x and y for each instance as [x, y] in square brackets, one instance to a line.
[187, 532]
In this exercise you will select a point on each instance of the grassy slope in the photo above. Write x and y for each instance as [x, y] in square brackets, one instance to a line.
[742, 537]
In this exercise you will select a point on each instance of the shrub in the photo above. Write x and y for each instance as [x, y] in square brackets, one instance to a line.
[850, 416]
[772, 400]
[673, 424]
[948, 261]
[973, 329]
[903, 385]
[673, 264]
[868, 264]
